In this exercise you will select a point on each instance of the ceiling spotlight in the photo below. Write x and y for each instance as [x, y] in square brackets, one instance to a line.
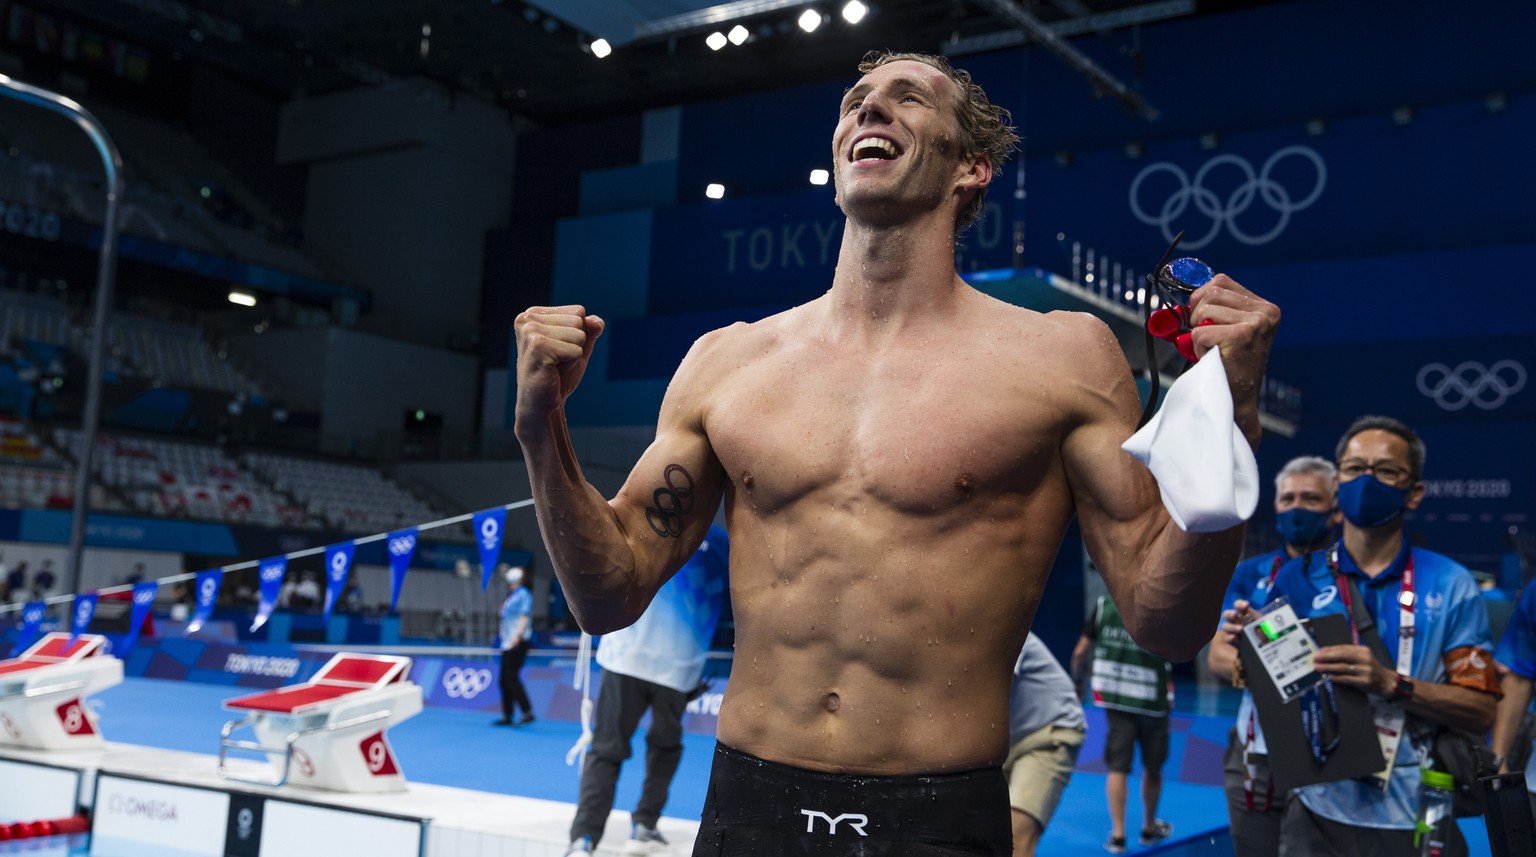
[820, 177]
[715, 191]
[242, 298]
[715, 40]
[601, 48]
[738, 34]
[854, 11]
[810, 19]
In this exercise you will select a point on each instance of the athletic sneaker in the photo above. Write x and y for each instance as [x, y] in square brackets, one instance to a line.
[1159, 831]
[580, 848]
[1115, 845]
[646, 840]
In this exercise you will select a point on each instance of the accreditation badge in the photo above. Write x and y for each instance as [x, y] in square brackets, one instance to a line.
[1284, 648]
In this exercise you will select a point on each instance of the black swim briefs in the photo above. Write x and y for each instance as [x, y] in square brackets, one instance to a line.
[757, 808]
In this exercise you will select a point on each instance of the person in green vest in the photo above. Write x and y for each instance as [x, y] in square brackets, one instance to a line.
[1131, 685]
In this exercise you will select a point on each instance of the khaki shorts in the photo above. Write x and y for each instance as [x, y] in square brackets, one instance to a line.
[1038, 767]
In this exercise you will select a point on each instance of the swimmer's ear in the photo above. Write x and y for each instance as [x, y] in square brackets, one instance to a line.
[976, 171]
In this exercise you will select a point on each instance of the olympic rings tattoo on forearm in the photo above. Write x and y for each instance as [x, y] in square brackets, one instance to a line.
[673, 501]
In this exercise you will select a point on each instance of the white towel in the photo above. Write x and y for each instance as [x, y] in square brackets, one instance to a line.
[1204, 467]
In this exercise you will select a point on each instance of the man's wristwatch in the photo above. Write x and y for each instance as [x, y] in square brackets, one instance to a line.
[1403, 691]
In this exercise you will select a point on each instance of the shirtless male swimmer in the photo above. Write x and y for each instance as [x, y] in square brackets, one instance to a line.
[899, 459]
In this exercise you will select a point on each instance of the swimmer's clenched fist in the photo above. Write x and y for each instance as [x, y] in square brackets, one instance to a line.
[553, 347]
[1226, 314]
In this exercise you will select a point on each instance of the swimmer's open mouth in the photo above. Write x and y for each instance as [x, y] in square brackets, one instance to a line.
[874, 149]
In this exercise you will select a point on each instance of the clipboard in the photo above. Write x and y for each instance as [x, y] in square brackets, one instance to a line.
[1358, 753]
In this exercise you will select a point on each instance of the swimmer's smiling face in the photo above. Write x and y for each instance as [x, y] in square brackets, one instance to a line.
[895, 141]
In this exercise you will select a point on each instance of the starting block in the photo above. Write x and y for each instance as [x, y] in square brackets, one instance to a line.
[42, 692]
[328, 733]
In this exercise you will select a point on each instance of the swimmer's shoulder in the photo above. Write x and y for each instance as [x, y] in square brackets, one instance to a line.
[745, 338]
[1073, 336]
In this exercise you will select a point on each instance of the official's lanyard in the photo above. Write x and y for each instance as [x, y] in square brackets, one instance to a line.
[1405, 611]
[1312, 718]
[1390, 715]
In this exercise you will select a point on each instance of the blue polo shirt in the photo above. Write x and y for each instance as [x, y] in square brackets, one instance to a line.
[1250, 575]
[1448, 614]
[1517, 649]
[517, 604]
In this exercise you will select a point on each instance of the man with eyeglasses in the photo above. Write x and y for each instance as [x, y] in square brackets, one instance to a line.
[1440, 673]
[1306, 512]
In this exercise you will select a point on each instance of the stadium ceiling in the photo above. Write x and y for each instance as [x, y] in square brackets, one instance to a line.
[534, 57]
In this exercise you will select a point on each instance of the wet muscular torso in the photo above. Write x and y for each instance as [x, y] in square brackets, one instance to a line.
[894, 509]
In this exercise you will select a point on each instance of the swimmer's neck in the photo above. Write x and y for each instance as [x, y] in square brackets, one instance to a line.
[889, 276]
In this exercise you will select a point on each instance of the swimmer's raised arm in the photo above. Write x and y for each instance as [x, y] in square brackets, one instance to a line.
[1166, 582]
[610, 556]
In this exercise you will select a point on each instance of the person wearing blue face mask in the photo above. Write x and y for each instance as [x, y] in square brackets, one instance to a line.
[1424, 651]
[1305, 515]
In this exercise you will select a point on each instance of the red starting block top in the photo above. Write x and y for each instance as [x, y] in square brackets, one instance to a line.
[54, 648]
[361, 670]
[342, 675]
[290, 699]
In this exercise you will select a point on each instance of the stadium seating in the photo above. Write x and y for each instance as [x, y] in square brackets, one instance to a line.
[174, 479]
[353, 498]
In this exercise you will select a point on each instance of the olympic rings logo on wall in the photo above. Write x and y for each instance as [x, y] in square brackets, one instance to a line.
[1471, 383]
[466, 683]
[1258, 186]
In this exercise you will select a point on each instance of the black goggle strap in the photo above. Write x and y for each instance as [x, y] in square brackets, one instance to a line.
[1154, 286]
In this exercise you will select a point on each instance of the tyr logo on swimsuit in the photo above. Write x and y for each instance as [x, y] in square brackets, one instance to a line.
[856, 821]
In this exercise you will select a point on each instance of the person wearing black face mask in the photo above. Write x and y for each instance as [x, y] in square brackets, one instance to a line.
[1305, 515]
[1426, 663]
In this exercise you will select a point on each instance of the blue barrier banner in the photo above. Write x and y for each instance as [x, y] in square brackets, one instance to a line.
[207, 591]
[254, 665]
[338, 562]
[490, 525]
[143, 602]
[120, 531]
[271, 577]
[467, 685]
[83, 611]
[401, 545]
[458, 683]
